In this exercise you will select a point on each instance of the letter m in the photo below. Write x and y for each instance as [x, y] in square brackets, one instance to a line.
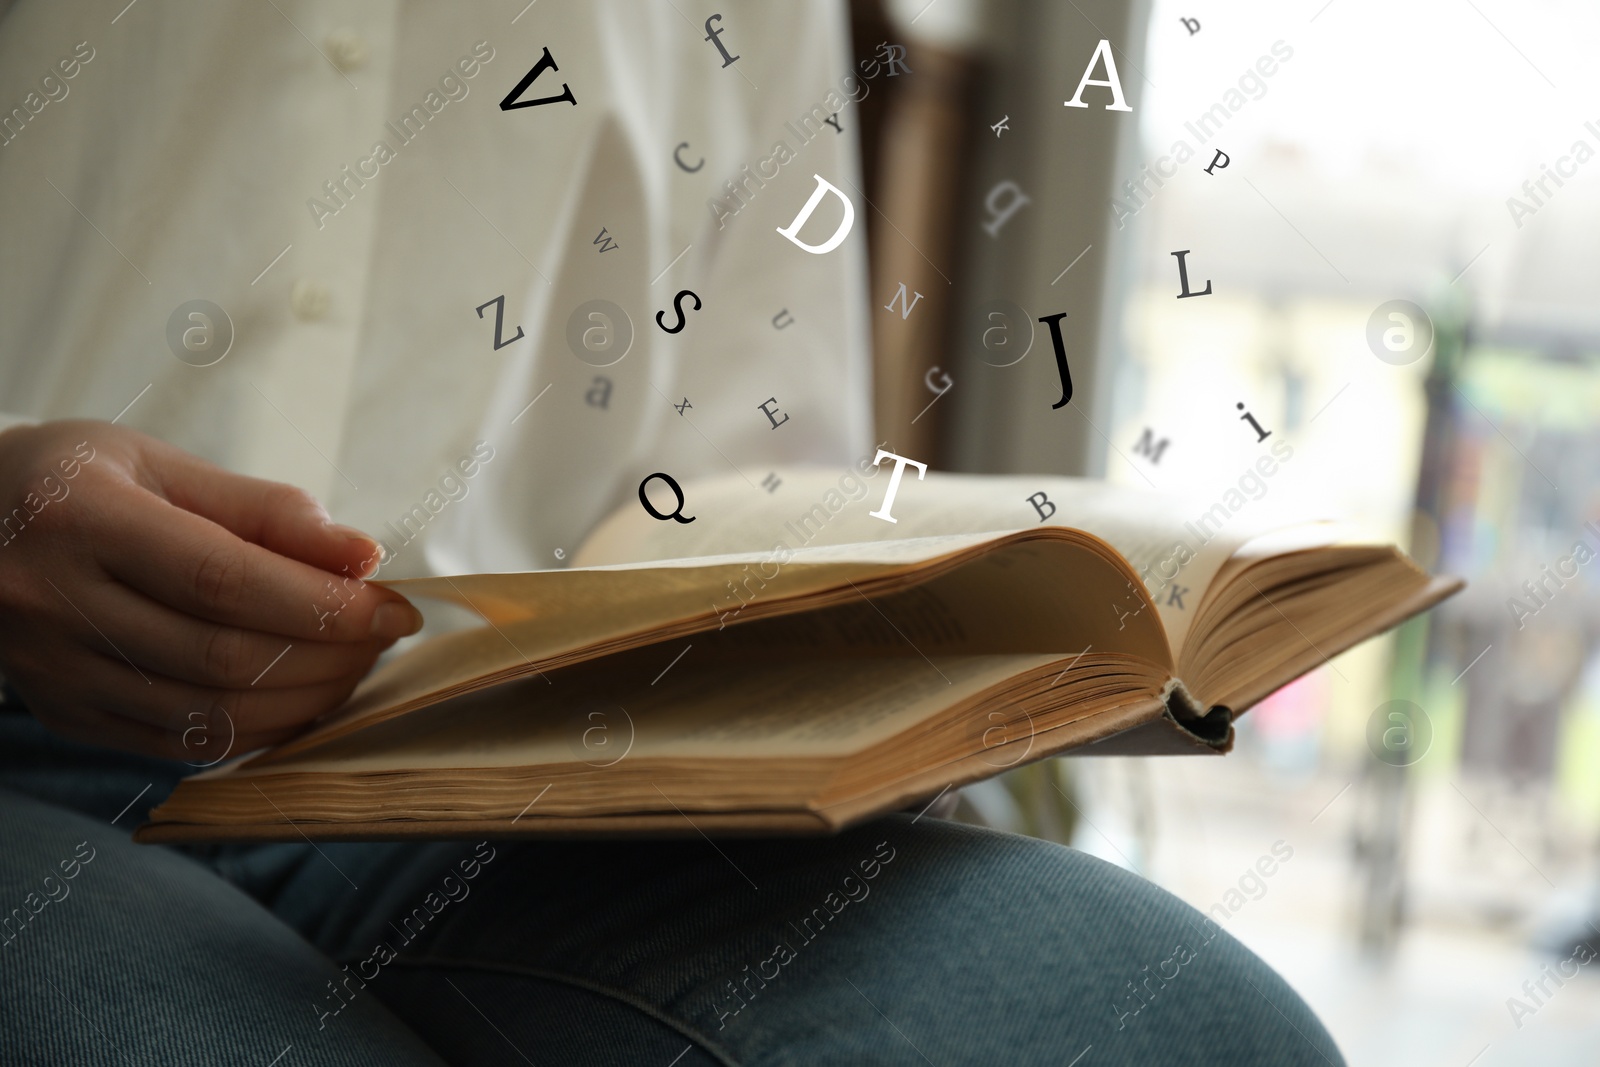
[1147, 446]
[905, 308]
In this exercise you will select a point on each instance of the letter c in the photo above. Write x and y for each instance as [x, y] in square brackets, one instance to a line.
[679, 159]
[1163, 173]
[1566, 173]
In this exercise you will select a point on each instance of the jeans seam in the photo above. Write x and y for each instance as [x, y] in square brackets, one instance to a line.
[689, 1032]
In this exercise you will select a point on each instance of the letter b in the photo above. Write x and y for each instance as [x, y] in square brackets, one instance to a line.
[1040, 502]
[823, 187]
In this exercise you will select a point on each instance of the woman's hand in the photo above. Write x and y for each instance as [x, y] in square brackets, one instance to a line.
[152, 601]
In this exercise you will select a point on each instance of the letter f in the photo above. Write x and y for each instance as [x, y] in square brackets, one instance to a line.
[715, 37]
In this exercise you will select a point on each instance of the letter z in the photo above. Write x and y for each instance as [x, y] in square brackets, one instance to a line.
[499, 303]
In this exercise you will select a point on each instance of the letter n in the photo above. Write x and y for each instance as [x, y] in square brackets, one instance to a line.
[905, 308]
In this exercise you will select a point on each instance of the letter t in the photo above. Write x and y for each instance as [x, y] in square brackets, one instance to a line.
[894, 481]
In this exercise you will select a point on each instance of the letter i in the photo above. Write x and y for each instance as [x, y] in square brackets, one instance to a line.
[1264, 434]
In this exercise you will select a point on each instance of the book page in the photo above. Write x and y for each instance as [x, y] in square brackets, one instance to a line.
[603, 714]
[1004, 588]
[816, 506]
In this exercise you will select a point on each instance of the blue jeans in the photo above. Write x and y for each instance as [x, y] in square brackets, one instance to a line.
[905, 941]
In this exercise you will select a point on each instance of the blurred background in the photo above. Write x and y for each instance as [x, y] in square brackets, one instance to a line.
[1445, 850]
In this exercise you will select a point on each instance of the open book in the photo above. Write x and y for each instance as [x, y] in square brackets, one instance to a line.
[789, 663]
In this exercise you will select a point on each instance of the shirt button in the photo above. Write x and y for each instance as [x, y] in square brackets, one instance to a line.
[347, 50]
[309, 300]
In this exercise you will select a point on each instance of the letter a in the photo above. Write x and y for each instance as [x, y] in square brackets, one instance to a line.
[1101, 51]
[823, 187]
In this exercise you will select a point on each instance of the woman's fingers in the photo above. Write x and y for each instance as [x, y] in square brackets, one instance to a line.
[197, 567]
[164, 641]
[112, 684]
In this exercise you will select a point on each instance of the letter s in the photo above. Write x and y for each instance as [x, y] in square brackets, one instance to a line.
[78, 851]
[677, 309]
[478, 852]
[1283, 450]
[78, 48]
[483, 450]
[1283, 55]
[79, 451]
[878, 852]
[483, 51]
[1284, 852]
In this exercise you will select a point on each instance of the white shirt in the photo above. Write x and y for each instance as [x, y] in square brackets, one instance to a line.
[186, 158]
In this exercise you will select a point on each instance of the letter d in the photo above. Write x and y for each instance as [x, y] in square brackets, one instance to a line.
[823, 186]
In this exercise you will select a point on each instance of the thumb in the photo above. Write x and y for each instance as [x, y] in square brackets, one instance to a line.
[279, 517]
